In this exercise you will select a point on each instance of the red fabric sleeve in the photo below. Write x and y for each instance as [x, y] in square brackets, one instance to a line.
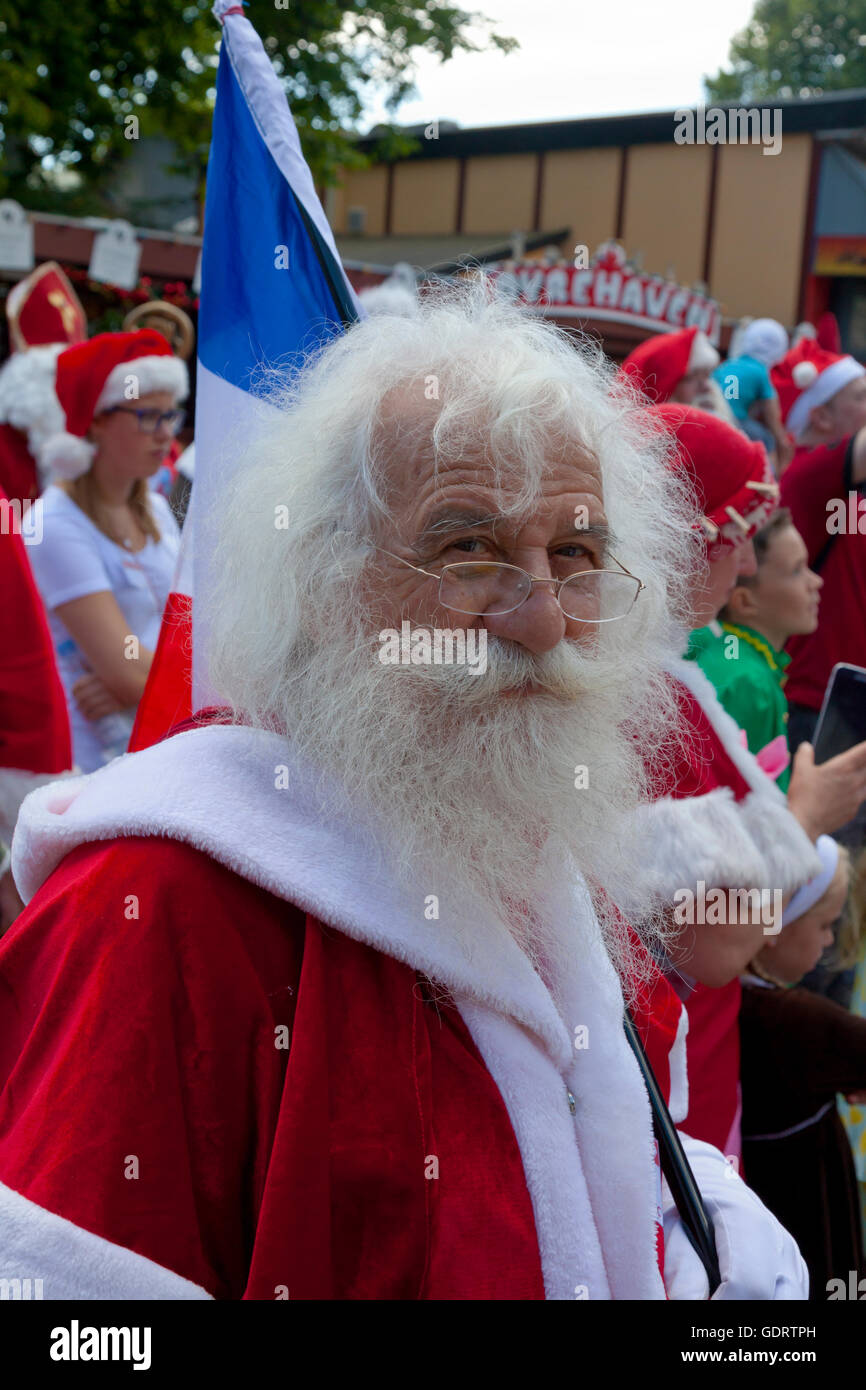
[806, 486]
[34, 724]
[151, 1038]
[18, 475]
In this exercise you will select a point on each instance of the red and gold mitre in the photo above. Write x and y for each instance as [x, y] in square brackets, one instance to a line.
[44, 309]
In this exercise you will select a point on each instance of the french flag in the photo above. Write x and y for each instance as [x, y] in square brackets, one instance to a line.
[272, 288]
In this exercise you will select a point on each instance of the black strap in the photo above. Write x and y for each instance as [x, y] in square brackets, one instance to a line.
[676, 1168]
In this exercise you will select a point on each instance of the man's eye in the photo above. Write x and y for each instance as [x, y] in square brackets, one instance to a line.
[466, 544]
[580, 553]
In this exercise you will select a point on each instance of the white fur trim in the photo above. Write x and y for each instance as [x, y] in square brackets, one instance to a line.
[66, 456]
[703, 356]
[725, 843]
[692, 839]
[591, 1177]
[28, 395]
[76, 1264]
[822, 390]
[790, 858]
[150, 374]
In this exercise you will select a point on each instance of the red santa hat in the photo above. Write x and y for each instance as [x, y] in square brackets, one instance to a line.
[660, 363]
[111, 369]
[730, 473]
[809, 376]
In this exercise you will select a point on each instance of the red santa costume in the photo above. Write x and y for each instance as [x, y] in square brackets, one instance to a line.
[45, 316]
[658, 365]
[819, 481]
[34, 727]
[720, 819]
[295, 1109]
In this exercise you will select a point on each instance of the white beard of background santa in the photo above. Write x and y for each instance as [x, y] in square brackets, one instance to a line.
[339, 978]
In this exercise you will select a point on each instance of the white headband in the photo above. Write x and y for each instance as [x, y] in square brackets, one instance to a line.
[806, 897]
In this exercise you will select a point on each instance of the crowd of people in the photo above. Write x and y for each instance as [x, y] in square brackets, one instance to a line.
[341, 965]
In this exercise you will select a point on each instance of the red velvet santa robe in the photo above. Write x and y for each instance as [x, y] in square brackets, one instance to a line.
[19, 476]
[280, 1060]
[208, 1092]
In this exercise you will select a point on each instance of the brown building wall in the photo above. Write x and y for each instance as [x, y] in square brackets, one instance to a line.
[362, 188]
[759, 208]
[580, 191]
[425, 198]
[761, 205]
[666, 202]
[500, 193]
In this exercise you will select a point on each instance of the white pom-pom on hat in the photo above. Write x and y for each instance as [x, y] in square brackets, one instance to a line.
[803, 374]
[66, 456]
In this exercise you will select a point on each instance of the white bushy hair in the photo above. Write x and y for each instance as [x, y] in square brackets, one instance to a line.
[289, 644]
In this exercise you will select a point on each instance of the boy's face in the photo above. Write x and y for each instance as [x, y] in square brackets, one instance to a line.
[783, 600]
[843, 414]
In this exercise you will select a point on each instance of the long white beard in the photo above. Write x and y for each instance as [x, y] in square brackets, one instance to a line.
[506, 798]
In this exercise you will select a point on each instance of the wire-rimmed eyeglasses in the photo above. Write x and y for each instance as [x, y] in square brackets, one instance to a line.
[488, 588]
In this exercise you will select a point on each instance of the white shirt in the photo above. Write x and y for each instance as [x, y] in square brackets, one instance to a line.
[70, 558]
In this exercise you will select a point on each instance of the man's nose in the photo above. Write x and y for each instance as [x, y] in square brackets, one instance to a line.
[538, 624]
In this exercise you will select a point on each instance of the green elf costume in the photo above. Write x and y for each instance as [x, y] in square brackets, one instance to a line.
[748, 674]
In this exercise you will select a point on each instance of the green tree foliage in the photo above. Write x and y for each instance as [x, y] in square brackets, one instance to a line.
[795, 48]
[75, 71]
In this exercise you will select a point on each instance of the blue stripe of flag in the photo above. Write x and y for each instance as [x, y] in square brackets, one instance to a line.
[251, 311]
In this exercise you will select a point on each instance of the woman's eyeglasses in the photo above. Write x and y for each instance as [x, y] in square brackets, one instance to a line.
[149, 421]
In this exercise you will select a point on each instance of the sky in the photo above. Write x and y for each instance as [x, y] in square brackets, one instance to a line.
[578, 59]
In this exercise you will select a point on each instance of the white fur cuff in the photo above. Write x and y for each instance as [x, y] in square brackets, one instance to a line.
[60, 1260]
[148, 374]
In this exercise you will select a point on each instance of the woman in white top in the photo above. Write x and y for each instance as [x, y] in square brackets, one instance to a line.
[107, 546]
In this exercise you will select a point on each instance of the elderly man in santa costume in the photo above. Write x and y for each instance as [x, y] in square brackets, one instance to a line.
[322, 997]
[672, 366]
[823, 400]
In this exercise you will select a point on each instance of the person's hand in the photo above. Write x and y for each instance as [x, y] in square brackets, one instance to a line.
[758, 1259]
[856, 1097]
[825, 796]
[94, 698]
